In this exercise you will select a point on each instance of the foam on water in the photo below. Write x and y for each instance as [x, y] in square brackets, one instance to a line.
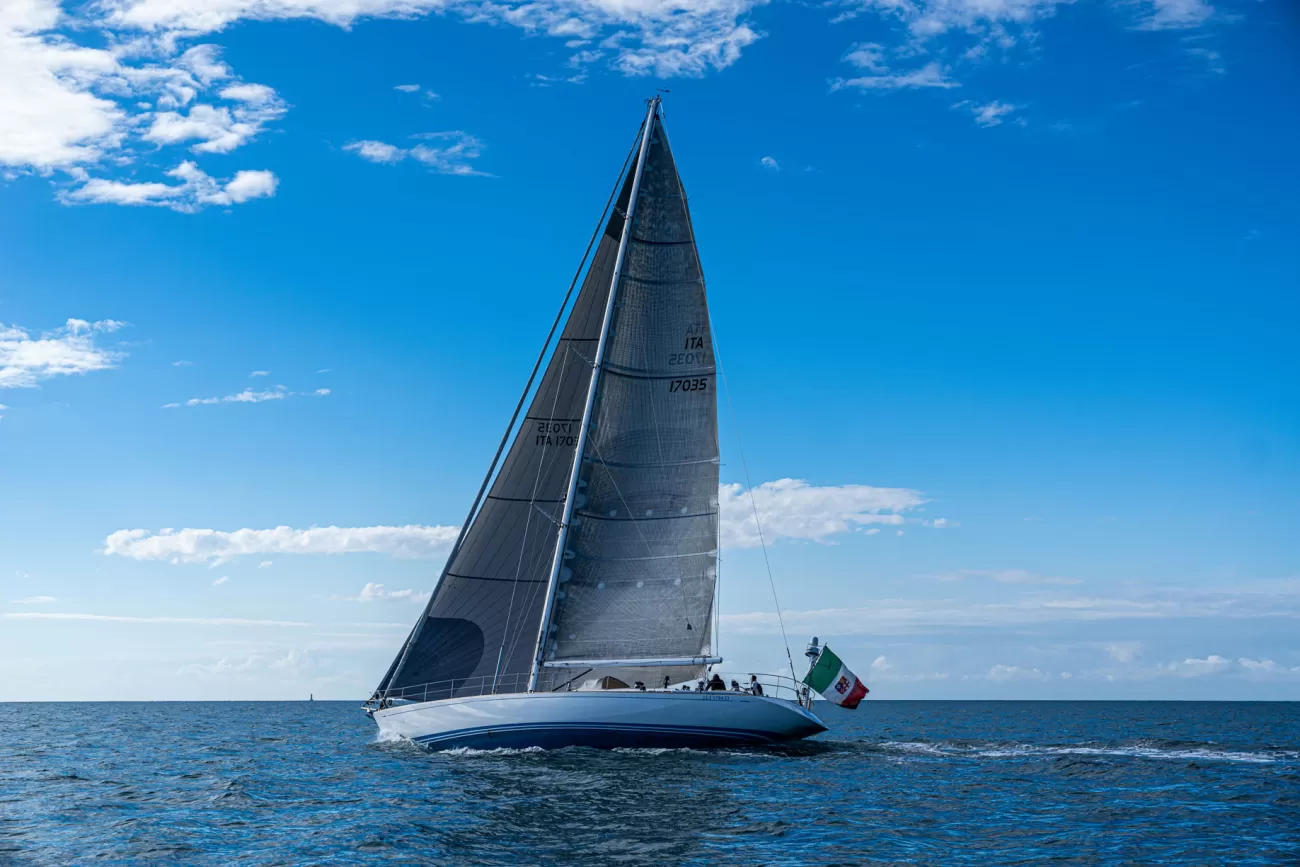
[946, 749]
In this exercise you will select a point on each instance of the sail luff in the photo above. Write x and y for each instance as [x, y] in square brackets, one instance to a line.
[557, 558]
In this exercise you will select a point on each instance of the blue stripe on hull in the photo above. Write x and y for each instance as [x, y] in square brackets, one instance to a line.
[601, 736]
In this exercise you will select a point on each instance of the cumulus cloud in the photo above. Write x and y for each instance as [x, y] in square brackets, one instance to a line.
[770, 164]
[68, 106]
[195, 191]
[26, 360]
[794, 509]
[222, 580]
[33, 600]
[218, 129]
[217, 546]
[444, 153]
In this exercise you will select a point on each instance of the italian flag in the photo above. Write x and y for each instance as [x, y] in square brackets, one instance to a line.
[833, 680]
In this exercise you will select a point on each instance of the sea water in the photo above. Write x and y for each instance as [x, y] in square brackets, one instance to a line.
[939, 783]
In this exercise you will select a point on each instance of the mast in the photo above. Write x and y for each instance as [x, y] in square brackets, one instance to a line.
[557, 560]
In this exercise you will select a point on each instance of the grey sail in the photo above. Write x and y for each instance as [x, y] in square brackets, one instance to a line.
[640, 560]
[482, 622]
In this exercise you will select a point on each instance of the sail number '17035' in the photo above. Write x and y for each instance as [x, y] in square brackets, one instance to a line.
[688, 385]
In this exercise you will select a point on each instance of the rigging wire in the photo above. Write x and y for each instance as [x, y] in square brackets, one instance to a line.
[749, 485]
[514, 417]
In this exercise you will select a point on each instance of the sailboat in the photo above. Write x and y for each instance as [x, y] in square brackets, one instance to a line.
[578, 605]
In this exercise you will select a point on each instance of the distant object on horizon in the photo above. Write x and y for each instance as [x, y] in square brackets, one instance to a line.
[589, 569]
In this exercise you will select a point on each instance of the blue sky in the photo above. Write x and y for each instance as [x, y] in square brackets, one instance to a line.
[1005, 294]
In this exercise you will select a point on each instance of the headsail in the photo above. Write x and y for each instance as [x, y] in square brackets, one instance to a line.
[640, 564]
[482, 620]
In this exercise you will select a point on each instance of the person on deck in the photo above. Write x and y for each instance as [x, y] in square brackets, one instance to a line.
[755, 688]
[715, 682]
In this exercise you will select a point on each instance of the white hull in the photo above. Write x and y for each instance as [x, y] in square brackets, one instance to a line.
[605, 718]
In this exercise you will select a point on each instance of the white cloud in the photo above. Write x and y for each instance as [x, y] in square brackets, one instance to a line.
[407, 88]
[254, 94]
[990, 113]
[294, 662]
[217, 129]
[867, 55]
[788, 508]
[114, 618]
[249, 395]
[222, 580]
[1124, 651]
[1212, 664]
[1013, 672]
[1006, 576]
[769, 163]
[377, 593]
[225, 665]
[49, 115]
[260, 373]
[449, 153]
[880, 665]
[929, 75]
[248, 185]
[33, 600]
[71, 350]
[265, 564]
[216, 546]
[1266, 667]
[794, 509]
[196, 190]
[182, 364]
[965, 32]
[1030, 608]
[376, 151]
[1175, 14]
[68, 106]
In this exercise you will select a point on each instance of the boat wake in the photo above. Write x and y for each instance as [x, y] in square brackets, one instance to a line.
[1139, 750]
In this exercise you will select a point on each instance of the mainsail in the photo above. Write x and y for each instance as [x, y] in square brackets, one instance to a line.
[636, 575]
